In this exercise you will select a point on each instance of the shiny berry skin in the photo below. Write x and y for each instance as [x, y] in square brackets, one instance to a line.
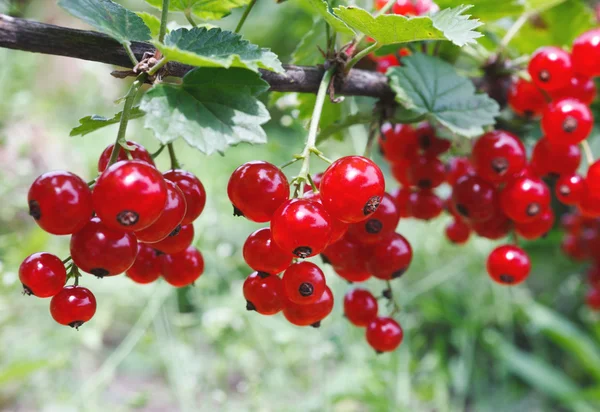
[42, 275]
[498, 155]
[592, 299]
[525, 99]
[101, 250]
[400, 169]
[426, 172]
[352, 188]
[338, 228]
[398, 142]
[147, 266]
[508, 265]
[349, 259]
[586, 53]
[303, 283]
[496, 227]
[130, 195]
[569, 189]
[256, 189]
[73, 306]
[176, 243]
[581, 88]
[593, 176]
[458, 232]
[360, 307]
[567, 121]
[474, 198]
[262, 254]
[573, 246]
[263, 293]
[524, 198]
[377, 226]
[424, 205]
[383, 63]
[548, 159]
[536, 228]
[193, 192]
[311, 314]
[458, 167]
[550, 68]
[138, 153]
[384, 334]
[390, 258]
[428, 143]
[170, 219]
[301, 227]
[401, 197]
[183, 268]
[60, 202]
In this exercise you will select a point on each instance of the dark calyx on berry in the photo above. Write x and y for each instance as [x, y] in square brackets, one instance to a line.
[316, 324]
[372, 205]
[128, 217]
[158, 252]
[175, 231]
[34, 210]
[533, 209]
[507, 278]
[325, 259]
[570, 124]
[425, 142]
[424, 184]
[250, 305]
[373, 226]
[398, 273]
[500, 165]
[99, 272]
[462, 210]
[544, 75]
[263, 275]
[26, 290]
[302, 252]
[237, 212]
[387, 293]
[76, 324]
[306, 289]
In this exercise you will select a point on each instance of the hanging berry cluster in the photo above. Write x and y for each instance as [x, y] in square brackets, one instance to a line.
[132, 220]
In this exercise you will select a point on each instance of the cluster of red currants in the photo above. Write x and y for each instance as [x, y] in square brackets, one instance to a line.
[130, 219]
[346, 217]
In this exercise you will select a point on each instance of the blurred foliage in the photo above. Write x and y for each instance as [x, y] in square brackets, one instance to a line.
[469, 344]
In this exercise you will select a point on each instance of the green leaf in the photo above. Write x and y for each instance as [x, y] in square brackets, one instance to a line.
[541, 5]
[111, 18]
[216, 48]
[340, 125]
[92, 123]
[151, 21]
[204, 9]
[449, 24]
[428, 86]
[325, 11]
[21, 370]
[307, 52]
[488, 10]
[211, 109]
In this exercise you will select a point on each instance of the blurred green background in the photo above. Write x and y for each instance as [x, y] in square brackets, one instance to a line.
[469, 344]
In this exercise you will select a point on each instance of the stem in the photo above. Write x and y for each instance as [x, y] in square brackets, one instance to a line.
[291, 162]
[514, 29]
[130, 53]
[159, 151]
[158, 66]
[174, 162]
[371, 139]
[163, 20]
[390, 297]
[190, 19]
[245, 16]
[361, 54]
[588, 152]
[65, 261]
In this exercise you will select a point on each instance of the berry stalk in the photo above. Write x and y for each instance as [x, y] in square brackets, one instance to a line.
[163, 20]
[245, 16]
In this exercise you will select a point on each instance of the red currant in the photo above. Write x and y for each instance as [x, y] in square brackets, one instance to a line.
[60, 202]
[147, 266]
[428, 143]
[589, 203]
[256, 189]
[384, 334]
[303, 283]
[360, 307]
[193, 192]
[550, 68]
[400, 169]
[581, 88]
[176, 243]
[73, 306]
[570, 188]
[169, 221]
[458, 232]
[352, 188]
[508, 265]
[338, 228]
[401, 196]
[262, 254]
[349, 259]
[101, 250]
[586, 53]
[526, 99]
[398, 142]
[138, 152]
[525, 198]
[548, 159]
[130, 195]
[183, 268]
[263, 293]
[592, 299]
[536, 228]
[424, 205]
[567, 121]
[458, 167]
[573, 247]
[42, 275]
[498, 155]
[474, 198]
[593, 176]
[377, 226]
[426, 172]
[496, 227]
[390, 258]
[383, 63]
[311, 314]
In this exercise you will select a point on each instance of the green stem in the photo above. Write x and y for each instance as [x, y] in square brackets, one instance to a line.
[291, 162]
[190, 19]
[245, 16]
[159, 151]
[174, 162]
[371, 138]
[158, 66]
[589, 155]
[514, 29]
[129, 100]
[129, 52]
[163, 20]
[67, 260]
[395, 306]
[371, 48]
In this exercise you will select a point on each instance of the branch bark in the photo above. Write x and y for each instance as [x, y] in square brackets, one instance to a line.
[31, 36]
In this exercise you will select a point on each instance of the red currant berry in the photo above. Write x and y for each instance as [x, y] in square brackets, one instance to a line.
[169, 221]
[571, 222]
[338, 228]
[567, 121]
[138, 152]
[176, 243]
[193, 192]
[426, 172]
[263, 293]
[592, 299]
[42, 275]
[536, 228]
[349, 259]
[130, 195]
[398, 142]
[311, 314]
[360, 307]
[593, 176]
[380, 224]
[581, 88]
[424, 205]
[352, 188]
[548, 159]
[390, 258]
[263, 255]
[498, 155]
[570, 188]
[474, 198]
[256, 189]
[573, 246]
[383, 63]
[550, 68]
[525, 198]
[400, 169]
[60, 202]
[73, 306]
[183, 268]
[425, 7]
[428, 143]
[101, 250]
[526, 99]
[589, 203]
[316, 180]
[303, 283]
[458, 167]
[458, 232]
[593, 276]
[147, 266]
[384, 334]
[496, 227]
[301, 227]
[586, 53]
[401, 196]
[508, 265]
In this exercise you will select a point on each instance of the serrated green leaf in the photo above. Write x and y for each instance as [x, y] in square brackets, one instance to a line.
[307, 52]
[216, 48]
[488, 10]
[110, 18]
[334, 21]
[94, 122]
[204, 9]
[340, 125]
[211, 109]
[449, 24]
[428, 86]
[151, 21]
